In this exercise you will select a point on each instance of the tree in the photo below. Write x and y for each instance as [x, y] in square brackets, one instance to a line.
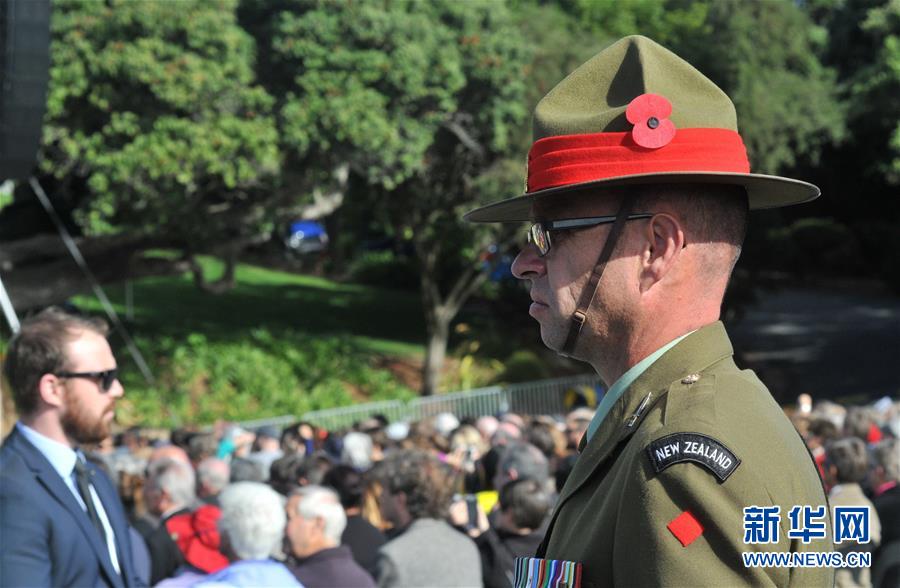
[416, 99]
[862, 173]
[155, 131]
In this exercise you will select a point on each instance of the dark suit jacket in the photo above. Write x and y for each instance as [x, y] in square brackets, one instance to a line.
[332, 567]
[48, 539]
[364, 540]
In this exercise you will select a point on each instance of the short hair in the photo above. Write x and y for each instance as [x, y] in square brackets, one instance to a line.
[253, 519]
[711, 213]
[848, 456]
[858, 422]
[283, 473]
[312, 469]
[822, 427]
[202, 446]
[295, 470]
[887, 455]
[541, 437]
[246, 470]
[213, 473]
[527, 460]
[324, 503]
[348, 483]
[181, 437]
[357, 450]
[40, 348]
[506, 434]
[422, 478]
[487, 425]
[292, 440]
[467, 436]
[527, 501]
[718, 212]
[175, 477]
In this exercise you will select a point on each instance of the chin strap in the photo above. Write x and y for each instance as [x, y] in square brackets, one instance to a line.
[590, 289]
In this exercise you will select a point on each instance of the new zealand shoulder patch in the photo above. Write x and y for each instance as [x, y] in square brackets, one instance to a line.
[695, 447]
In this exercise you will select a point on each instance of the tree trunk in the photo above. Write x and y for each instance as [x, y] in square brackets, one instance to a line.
[225, 283]
[441, 310]
[438, 330]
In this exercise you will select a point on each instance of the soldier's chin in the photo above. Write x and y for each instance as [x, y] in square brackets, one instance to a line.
[552, 338]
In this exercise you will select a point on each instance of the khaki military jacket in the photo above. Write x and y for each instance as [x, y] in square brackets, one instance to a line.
[615, 512]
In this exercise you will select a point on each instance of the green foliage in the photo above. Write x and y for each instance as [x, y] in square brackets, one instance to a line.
[668, 23]
[365, 83]
[880, 242]
[384, 269]
[831, 244]
[6, 193]
[874, 86]
[523, 366]
[373, 84]
[764, 55]
[861, 175]
[154, 108]
[381, 321]
[263, 375]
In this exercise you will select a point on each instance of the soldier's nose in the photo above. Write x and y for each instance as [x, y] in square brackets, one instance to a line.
[528, 263]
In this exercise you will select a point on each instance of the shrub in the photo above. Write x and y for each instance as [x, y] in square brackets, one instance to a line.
[524, 366]
[385, 269]
[813, 247]
[264, 375]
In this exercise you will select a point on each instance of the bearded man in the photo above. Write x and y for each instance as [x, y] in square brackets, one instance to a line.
[62, 521]
[638, 189]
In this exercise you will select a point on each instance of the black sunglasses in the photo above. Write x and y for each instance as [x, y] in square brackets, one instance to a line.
[539, 233]
[106, 377]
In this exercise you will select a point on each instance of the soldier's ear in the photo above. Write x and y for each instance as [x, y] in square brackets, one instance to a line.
[663, 241]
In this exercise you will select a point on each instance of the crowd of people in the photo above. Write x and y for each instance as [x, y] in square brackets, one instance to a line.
[441, 501]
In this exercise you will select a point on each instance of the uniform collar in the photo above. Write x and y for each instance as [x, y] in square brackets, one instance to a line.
[690, 355]
[618, 388]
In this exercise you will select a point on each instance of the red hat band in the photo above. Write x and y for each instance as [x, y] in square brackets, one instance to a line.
[575, 159]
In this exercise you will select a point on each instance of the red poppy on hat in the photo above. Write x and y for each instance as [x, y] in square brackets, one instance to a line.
[649, 113]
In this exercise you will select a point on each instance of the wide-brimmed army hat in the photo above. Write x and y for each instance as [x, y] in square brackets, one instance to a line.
[636, 113]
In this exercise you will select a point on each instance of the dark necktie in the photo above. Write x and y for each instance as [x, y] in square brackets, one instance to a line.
[83, 480]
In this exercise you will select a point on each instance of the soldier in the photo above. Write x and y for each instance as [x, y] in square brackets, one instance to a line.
[638, 190]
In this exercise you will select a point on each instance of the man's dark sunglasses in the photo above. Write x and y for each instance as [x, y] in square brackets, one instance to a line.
[539, 233]
[106, 378]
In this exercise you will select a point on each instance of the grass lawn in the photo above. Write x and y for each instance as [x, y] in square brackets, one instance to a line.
[381, 321]
[277, 343]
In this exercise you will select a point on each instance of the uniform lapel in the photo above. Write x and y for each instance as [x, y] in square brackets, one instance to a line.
[695, 353]
[56, 487]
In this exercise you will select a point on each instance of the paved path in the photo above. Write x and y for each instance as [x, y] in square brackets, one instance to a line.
[827, 344]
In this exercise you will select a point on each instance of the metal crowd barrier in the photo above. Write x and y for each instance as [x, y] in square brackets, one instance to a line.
[532, 398]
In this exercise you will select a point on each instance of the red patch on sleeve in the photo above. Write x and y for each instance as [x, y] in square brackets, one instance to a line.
[686, 528]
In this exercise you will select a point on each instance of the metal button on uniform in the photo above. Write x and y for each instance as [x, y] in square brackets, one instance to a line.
[690, 379]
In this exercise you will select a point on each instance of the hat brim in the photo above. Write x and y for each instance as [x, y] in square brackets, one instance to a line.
[763, 192]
